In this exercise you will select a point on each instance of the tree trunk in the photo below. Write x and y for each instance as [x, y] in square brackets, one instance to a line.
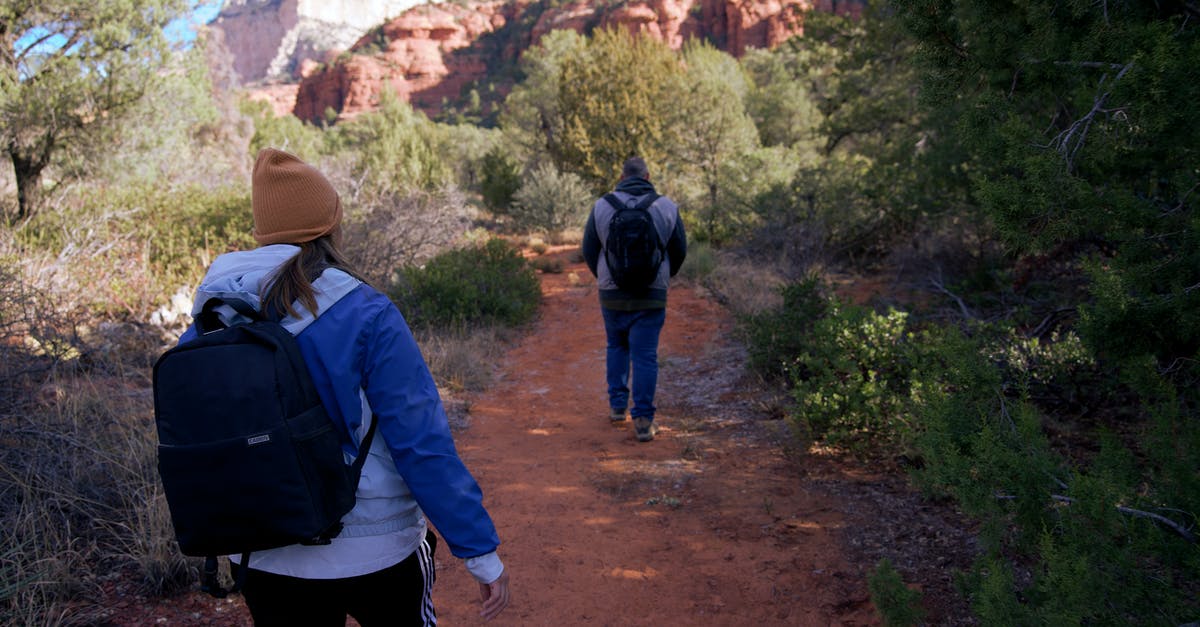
[28, 172]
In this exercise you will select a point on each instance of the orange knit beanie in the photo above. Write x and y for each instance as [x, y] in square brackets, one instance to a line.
[292, 201]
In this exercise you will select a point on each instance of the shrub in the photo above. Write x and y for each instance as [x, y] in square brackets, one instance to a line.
[700, 262]
[897, 604]
[501, 178]
[462, 359]
[385, 230]
[550, 201]
[484, 284]
[775, 337]
[394, 147]
[122, 252]
[1069, 540]
[79, 495]
[858, 377]
[286, 132]
[548, 265]
[81, 501]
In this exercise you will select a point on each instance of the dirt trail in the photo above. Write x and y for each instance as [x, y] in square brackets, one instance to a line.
[708, 524]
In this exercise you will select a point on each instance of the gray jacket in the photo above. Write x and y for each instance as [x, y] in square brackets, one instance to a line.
[673, 238]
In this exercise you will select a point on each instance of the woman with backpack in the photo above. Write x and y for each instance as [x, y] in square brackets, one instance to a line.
[366, 367]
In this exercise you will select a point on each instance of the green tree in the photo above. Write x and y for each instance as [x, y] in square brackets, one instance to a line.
[1073, 127]
[779, 99]
[462, 148]
[501, 180]
[615, 97]
[712, 131]
[1079, 142]
[69, 68]
[531, 121]
[395, 145]
[183, 130]
[865, 181]
[284, 132]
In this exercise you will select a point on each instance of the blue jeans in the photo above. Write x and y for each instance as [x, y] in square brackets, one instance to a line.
[633, 337]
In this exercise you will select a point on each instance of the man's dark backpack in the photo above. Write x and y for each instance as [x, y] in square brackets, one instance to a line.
[248, 456]
[633, 249]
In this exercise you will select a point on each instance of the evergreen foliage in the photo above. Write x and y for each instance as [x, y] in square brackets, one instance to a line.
[1063, 419]
[487, 284]
[1077, 145]
[69, 69]
[531, 119]
[550, 201]
[501, 178]
[774, 338]
[779, 100]
[615, 97]
[842, 99]
[395, 146]
[286, 132]
[899, 605]
[711, 133]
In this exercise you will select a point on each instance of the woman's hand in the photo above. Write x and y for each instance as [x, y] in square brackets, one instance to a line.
[494, 596]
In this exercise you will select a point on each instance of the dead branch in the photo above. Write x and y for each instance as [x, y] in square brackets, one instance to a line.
[938, 283]
[1090, 64]
[1071, 140]
[1182, 201]
[1179, 529]
[1049, 321]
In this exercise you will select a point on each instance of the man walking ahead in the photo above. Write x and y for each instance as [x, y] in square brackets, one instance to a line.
[633, 243]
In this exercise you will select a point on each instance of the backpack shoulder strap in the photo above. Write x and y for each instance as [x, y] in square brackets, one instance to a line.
[208, 319]
[614, 202]
[647, 201]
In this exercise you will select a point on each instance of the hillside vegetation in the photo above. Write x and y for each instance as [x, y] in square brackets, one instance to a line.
[1022, 178]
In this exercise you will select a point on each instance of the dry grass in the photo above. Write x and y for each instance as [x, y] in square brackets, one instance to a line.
[80, 500]
[744, 285]
[464, 360]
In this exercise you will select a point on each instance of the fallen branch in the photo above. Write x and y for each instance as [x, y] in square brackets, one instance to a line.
[1179, 529]
[941, 287]
[1048, 321]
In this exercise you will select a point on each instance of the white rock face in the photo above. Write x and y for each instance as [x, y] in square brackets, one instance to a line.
[270, 39]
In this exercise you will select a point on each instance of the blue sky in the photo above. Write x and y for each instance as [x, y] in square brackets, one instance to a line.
[202, 12]
[181, 31]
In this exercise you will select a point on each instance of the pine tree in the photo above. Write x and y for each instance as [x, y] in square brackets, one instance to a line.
[67, 69]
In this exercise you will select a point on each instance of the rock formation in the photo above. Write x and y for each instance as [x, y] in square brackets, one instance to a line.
[429, 54]
[270, 39]
[426, 55]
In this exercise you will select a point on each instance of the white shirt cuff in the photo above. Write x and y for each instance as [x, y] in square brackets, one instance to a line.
[486, 568]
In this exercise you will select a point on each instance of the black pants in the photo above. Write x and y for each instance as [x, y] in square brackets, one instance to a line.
[399, 595]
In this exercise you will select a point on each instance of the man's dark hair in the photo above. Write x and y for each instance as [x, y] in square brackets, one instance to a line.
[635, 167]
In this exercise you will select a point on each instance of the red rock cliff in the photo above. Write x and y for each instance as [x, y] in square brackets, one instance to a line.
[429, 53]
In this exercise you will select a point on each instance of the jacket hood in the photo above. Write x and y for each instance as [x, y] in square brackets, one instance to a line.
[635, 186]
[245, 275]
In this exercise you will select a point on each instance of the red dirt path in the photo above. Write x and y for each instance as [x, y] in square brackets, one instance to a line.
[709, 524]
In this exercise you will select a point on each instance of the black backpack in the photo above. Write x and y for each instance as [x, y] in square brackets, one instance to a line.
[633, 249]
[248, 456]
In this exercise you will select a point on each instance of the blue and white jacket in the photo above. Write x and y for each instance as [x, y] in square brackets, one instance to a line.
[364, 360]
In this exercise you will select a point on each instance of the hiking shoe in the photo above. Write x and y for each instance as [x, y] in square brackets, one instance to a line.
[617, 415]
[644, 429]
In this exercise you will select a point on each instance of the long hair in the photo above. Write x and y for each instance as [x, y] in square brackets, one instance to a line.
[292, 282]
